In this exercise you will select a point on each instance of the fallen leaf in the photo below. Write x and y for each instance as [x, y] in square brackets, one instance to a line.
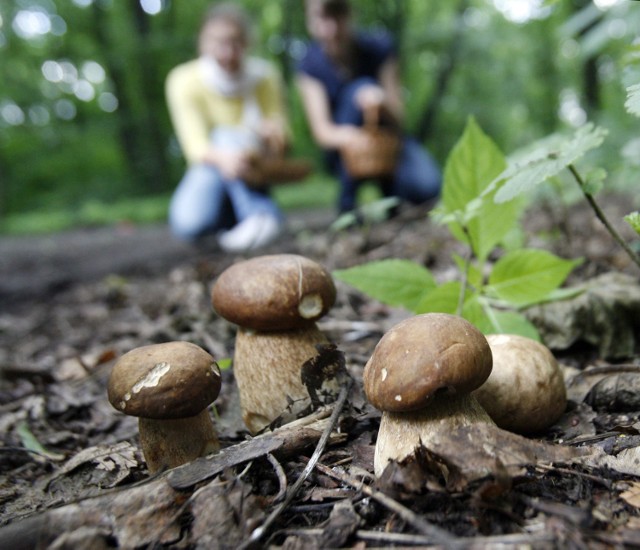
[474, 452]
[324, 374]
[107, 457]
[342, 523]
[30, 443]
[632, 494]
[616, 393]
[626, 461]
[224, 511]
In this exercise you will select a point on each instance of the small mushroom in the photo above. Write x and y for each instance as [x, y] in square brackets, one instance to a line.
[275, 300]
[421, 375]
[525, 392]
[169, 387]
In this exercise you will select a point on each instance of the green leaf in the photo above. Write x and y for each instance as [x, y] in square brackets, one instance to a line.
[490, 320]
[394, 282]
[475, 311]
[474, 275]
[594, 181]
[527, 276]
[474, 163]
[30, 443]
[224, 363]
[443, 299]
[511, 322]
[546, 160]
[633, 100]
[633, 220]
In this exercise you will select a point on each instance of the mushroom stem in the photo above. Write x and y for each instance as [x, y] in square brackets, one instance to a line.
[167, 443]
[267, 368]
[401, 433]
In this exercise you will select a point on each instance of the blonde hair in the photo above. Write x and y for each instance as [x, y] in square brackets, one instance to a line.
[231, 13]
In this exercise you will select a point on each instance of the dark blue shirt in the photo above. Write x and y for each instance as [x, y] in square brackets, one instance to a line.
[371, 52]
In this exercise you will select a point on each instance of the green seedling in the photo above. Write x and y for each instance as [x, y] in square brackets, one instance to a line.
[551, 157]
[489, 294]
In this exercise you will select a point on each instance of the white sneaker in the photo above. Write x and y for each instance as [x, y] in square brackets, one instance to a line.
[251, 233]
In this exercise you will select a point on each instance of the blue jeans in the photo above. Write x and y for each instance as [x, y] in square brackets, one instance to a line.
[204, 202]
[417, 177]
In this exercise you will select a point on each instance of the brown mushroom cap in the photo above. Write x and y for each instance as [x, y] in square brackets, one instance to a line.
[424, 354]
[274, 292]
[164, 381]
[525, 392]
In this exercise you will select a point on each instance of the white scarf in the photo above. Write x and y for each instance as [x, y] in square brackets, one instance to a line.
[241, 85]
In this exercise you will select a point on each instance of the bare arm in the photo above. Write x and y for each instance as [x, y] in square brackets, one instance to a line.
[327, 133]
[390, 82]
[383, 100]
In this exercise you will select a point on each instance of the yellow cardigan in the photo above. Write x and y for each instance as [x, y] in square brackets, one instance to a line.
[195, 109]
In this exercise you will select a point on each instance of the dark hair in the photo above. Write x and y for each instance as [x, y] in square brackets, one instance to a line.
[228, 11]
[335, 8]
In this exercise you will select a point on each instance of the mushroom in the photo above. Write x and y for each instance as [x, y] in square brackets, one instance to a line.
[525, 392]
[169, 388]
[421, 375]
[275, 301]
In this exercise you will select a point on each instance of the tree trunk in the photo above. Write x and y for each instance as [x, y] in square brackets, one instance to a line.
[141, 140]
[447, 66]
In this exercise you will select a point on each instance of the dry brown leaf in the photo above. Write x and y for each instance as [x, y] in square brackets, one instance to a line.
[632, 494]
[475, 452]
[120, 456]
[625, 462]
[224, 514]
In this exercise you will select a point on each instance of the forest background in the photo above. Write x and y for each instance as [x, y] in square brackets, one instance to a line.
[85, 136]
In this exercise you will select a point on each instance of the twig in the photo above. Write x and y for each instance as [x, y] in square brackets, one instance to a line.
[602, 217]
[259, 532]
[406, 539]
[608, 369]
[555, 469]
[435, 534]
[282, 477]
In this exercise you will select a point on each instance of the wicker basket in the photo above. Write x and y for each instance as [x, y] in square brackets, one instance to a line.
[265, 170]
[374, 153]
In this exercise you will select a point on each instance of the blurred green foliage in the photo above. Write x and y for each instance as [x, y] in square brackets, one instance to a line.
[84, 125]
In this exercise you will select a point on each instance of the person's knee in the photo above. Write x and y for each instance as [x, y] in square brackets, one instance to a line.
[186, 228]
[418, 177]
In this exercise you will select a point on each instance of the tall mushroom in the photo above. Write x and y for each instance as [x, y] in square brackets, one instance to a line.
[275, 300]
[525, 392]
[169, 388]
[421, 375]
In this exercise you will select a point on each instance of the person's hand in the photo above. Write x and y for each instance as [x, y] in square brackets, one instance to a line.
[233, 164]
[371, 99]
[274, 136]
[345, 134]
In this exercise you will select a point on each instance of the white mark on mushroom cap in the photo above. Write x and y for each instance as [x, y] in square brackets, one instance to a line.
[398, 397]
[213, 369]
[384, 374]
[310, 306]
[152, 378]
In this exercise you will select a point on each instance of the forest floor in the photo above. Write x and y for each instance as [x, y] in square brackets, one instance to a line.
[72, 474]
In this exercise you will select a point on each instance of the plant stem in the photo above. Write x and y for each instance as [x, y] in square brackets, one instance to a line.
[602, 217]
[465, 274]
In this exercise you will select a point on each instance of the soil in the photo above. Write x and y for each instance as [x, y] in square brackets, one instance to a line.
[72, 303]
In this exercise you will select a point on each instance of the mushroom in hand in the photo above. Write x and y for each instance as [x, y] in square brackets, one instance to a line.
[525, 392]
[421, 375]
[275, 301]
[169, 387]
